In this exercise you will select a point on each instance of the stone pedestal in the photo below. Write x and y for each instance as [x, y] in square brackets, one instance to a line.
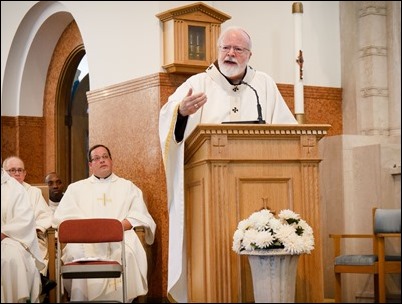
[274, 275]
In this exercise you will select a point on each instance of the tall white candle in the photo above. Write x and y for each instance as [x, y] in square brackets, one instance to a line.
[297, 11]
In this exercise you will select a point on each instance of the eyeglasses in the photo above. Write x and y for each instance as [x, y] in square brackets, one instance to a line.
[15, 170]
[237, 49]
[97, 158]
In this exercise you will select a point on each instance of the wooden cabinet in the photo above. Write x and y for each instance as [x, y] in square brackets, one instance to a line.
[190, 34]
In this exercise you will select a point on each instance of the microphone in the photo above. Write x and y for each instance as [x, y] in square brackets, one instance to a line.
[259, 111]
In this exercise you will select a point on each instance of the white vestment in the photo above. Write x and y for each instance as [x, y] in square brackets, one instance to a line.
[21, 259]
[226, 102]
[113, 197]
[53, 205]
[43, 220]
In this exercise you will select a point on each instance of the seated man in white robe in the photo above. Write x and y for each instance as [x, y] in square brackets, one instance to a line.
[105, 195]
[56, 189]
[21, 259]
[42, 212]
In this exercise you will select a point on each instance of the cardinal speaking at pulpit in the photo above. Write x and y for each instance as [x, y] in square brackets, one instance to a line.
[229, 91]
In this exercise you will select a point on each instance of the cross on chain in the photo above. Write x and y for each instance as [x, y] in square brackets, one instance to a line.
[104, 199]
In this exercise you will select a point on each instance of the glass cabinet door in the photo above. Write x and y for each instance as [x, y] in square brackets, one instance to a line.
[197, 42]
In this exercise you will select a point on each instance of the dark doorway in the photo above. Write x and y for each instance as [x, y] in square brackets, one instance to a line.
[72, 122]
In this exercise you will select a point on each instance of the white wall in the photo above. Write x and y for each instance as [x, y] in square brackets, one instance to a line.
[11, 16]
[123, 40]
[270, 24]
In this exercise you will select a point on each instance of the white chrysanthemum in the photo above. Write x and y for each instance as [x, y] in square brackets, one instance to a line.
[285, 232]
[275, 224]
[263, 239]
[259, 220]
[249, 239]
[306, 227]
[287, 214]
[299, 244]
[263, 231]
[243, 225]
[237, 240]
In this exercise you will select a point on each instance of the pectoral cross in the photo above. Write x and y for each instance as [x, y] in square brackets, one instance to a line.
[104, 199]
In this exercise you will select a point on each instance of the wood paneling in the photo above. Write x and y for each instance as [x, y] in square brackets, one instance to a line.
[232, 171]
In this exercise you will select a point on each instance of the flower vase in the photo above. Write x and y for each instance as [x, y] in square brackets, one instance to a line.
[274, 275]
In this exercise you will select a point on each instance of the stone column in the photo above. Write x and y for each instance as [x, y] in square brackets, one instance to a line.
[394, 66]
[372, 81]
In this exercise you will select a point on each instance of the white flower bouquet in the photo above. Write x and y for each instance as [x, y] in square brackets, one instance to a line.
[262, 230]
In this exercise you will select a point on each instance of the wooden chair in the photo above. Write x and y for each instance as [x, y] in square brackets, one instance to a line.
[93, 230]
[386, 224]
[51, 232]
[44, 188]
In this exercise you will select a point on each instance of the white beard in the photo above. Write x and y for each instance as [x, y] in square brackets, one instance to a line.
[231, 70]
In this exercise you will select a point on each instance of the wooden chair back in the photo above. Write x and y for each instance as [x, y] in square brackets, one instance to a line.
[386, 223]
[51, 244]
[44, 188]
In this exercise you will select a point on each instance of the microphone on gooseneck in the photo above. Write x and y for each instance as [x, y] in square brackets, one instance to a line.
[259, 111]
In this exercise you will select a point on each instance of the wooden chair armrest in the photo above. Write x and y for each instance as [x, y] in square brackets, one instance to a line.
[51, 230]
[139, 229]
[51, 238]
[337, 240]
[388, 235]
[351, 235]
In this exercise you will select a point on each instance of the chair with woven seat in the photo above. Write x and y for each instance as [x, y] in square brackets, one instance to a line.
[94, 230]
[386, 224]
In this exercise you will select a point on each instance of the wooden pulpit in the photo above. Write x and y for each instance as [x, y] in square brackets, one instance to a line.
[232, 170]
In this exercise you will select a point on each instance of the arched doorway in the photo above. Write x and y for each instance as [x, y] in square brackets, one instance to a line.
[67, 96]
[38, 78]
